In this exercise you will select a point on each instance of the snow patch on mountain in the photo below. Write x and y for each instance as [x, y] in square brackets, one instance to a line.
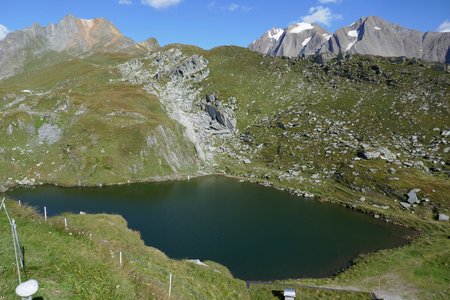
[327, 36]
[306, 41]
[275, 33]
[349, 46]
[353, 33]
[299, 27]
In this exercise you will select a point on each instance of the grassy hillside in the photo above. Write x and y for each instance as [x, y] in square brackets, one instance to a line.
[82, 262]
[75, 123]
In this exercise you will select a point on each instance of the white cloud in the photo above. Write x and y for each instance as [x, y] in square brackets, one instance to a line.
[329, 1]
[236, 7]
[125, 2]
[233, 7]
[3, 31]
[320, 14]
[444, 27]
[160, 4]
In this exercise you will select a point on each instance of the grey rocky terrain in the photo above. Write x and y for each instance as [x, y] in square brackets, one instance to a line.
[171, 75]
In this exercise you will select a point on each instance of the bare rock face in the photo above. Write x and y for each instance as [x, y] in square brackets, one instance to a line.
[367, 36]
[71, 36]
[299, 39]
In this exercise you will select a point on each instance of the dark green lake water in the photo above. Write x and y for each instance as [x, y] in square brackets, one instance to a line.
[259, 233]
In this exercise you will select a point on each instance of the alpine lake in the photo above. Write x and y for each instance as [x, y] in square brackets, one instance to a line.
[259, 233]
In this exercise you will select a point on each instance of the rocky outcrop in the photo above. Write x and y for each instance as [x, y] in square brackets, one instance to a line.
[212, 105]
[368, 36]
[172, 77]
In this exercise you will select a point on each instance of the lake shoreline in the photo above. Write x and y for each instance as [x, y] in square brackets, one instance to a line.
[318, 215]
[267, 183]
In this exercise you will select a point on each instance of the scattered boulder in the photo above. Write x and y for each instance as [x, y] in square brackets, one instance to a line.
[210, 98]
[386, 154]
[3, 189]
[368, 154]
[443, 217]
[412, 197]
[381, 152]
[405, 205]
[217, 115]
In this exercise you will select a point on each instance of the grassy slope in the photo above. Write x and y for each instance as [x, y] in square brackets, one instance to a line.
[82, 262]
[95, 147]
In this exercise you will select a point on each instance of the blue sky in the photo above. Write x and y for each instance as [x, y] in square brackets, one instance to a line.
[210, 23]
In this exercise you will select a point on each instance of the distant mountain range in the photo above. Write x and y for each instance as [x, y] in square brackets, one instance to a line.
[367, 36]
[73, 37]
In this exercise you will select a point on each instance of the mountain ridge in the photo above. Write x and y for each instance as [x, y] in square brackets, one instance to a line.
[367, 36]
[71, 37]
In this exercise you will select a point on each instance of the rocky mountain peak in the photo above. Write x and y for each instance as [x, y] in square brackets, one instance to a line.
[72, 36]
[297, 39]
[150, 44]
[367, 36]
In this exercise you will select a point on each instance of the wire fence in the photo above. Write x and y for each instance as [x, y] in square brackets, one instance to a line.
[155, 275]
[163, 279]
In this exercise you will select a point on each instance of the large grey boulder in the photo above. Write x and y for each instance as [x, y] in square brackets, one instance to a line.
[380, 152]
[370, 154]
[412, 197]
[386, 154]
[443, 217]
[219, 116]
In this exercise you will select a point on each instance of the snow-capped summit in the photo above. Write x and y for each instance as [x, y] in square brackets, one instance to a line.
[296, 40]
[299, 27]
[367, 36]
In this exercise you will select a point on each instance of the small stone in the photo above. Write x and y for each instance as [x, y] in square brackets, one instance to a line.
[405, 205]
[362, 199]
[392, 171]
